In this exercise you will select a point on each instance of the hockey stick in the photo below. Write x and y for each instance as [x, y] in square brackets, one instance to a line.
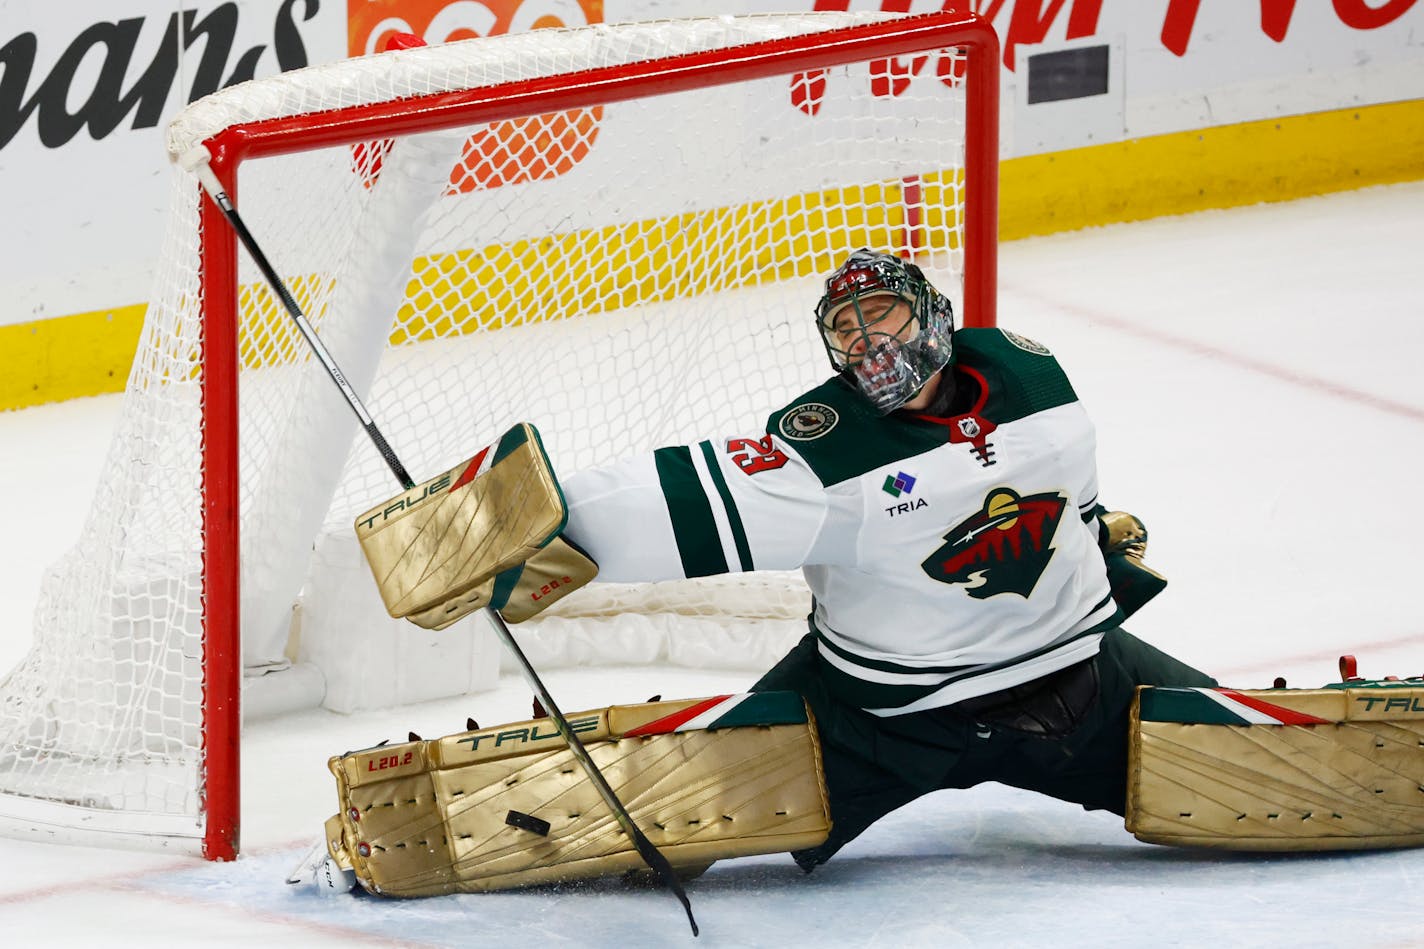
[197, 161]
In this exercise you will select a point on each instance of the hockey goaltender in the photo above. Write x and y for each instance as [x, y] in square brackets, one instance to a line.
[969, 631]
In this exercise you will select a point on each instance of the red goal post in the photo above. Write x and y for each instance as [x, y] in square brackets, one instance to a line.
[309, 111]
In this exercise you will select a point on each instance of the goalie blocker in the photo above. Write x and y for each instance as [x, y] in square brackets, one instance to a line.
[484, 533]
[491, 809]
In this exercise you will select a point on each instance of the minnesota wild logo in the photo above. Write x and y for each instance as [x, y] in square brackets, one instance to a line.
[1026, 344]
[1004, 548]
[808, 421]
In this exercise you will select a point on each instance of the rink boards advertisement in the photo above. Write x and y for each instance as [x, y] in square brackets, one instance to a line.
[88, 87]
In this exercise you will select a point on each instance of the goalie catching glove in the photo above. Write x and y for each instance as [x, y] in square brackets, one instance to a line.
[484, 533]
[1123, 541]
[503, 807]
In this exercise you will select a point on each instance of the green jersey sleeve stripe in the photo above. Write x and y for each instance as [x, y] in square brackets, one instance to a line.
[693, 525]
[734, 517]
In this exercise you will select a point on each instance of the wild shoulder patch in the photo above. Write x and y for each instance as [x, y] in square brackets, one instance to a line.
[808, 421]
[1026, 344]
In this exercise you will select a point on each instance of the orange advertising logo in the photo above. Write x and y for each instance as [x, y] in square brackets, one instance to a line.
[501, 153]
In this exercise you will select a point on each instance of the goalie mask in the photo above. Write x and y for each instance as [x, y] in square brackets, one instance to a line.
[882, 321]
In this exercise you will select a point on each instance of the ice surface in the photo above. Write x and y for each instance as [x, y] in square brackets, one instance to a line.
[1254, 377]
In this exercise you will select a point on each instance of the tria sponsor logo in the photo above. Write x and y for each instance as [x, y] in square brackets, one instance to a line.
[906, 507]
[898, 484]
[1003, 548]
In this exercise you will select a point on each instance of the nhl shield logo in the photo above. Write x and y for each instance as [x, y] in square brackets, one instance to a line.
[1003, 548]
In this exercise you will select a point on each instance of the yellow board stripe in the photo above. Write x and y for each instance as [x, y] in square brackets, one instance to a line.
[1269, 160]
[66, 357]
[1227, 166]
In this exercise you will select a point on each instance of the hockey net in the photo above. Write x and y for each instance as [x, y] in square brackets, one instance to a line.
[614, 232]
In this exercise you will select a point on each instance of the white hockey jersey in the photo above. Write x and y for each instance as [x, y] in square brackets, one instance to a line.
[947, 557]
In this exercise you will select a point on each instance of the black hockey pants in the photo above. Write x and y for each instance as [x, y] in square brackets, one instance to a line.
[875, 765]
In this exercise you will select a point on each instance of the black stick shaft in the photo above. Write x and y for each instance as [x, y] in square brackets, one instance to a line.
[279, 287]
[650, 854]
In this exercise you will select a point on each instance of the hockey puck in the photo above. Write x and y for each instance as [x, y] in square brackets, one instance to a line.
[527, 822]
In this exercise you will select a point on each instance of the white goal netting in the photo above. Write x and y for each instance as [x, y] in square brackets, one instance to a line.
[628, 274]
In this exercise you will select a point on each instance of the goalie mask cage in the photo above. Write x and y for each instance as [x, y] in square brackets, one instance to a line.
[617, 232]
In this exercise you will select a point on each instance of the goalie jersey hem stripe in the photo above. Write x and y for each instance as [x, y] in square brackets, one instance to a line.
[886, 688]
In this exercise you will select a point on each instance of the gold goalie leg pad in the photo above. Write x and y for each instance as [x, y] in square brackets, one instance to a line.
[496, 808]
[1338, 768]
